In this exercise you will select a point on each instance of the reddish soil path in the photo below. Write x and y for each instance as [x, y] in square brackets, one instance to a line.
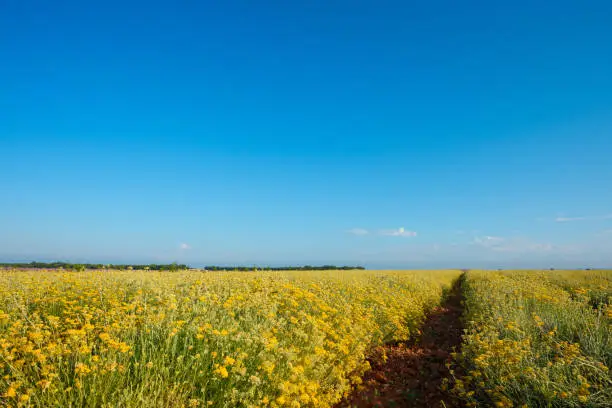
[413, 372]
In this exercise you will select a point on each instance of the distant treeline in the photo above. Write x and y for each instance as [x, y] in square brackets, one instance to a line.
[83, 266]
[283, 268]
[169, 267]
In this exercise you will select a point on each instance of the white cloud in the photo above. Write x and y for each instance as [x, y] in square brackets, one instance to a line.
[567, 219]
[400, 232]
[184, 246]
[588, 218]
[488, 238]
[489, 241]
[358, 231]
[514, 244]
[523, 246]
[488, 251]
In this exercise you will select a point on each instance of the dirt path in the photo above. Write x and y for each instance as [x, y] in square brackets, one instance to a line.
[413, 372]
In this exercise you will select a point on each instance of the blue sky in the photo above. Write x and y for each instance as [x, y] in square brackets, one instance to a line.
[391, 134]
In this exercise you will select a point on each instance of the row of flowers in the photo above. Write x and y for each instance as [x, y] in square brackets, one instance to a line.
[280, 339]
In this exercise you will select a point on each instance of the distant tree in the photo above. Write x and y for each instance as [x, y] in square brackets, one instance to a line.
[171, 267]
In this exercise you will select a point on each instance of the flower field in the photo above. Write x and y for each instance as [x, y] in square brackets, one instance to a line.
[189, 339]
[536, 338]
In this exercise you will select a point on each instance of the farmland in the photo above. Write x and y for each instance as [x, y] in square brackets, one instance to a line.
[536, 338]
[301, 338]
[157, 339]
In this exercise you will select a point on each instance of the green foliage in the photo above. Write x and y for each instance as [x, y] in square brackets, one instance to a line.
[82, 267]
[170, 267]
[283, 268]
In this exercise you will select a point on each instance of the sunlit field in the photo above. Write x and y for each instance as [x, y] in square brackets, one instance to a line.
[536, 338]
[253, 339]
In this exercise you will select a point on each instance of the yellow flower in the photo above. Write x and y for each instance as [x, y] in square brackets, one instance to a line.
[81, 369]
[222, 371]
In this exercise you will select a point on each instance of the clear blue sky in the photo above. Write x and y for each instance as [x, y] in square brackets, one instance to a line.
[390, 134]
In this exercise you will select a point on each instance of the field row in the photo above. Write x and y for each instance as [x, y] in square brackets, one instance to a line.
[150, 339]
[536, 338]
